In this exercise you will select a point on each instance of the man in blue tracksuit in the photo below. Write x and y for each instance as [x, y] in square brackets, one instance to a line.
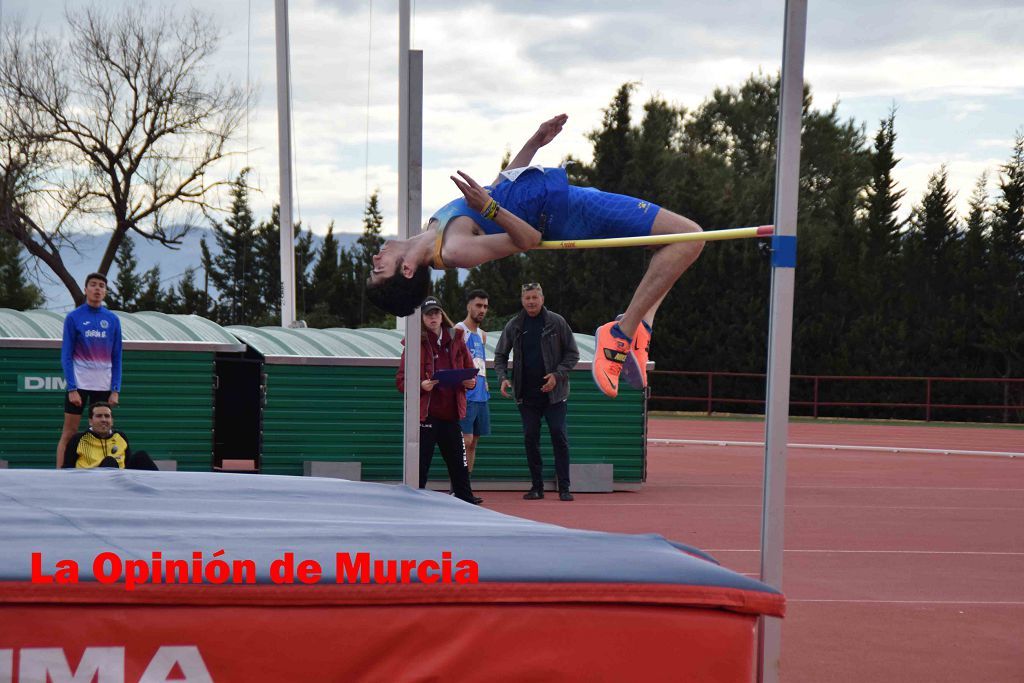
[91, 357]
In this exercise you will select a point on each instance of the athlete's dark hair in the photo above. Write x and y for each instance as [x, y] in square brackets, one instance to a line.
[476, 294]
[400, 295]
[95, 276]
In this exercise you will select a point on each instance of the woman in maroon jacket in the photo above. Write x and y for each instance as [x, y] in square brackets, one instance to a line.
[442, 405]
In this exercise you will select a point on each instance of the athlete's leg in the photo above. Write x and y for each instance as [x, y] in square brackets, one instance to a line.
[71, 421]
[668, 264]
[470, 442]
[593, 213]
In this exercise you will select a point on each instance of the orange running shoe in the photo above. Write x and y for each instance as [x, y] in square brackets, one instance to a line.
[635, 368]
[610, 352]
[631, 369]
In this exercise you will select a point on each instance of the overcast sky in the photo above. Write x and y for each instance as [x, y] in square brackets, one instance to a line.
[952, 69]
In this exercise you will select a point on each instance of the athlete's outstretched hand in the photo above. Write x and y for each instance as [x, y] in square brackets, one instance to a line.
[476, 196]
[549, 130]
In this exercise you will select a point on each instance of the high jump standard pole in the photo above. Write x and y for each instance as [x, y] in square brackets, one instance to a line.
[410, 184]
[780, 335]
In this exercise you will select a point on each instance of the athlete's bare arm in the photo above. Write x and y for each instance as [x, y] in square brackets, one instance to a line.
[466, 246]
[545, 134]
[523, 235]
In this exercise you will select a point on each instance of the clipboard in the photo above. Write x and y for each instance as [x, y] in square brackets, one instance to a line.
[448, 378]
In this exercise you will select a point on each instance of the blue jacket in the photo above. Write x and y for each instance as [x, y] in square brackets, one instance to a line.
[91, 350]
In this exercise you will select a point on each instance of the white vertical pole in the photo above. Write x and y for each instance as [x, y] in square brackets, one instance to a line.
[410, 165]
[404, 232]
[403, 119]
[414, 190]
[780, 339]
[284, 149]
[414, 149]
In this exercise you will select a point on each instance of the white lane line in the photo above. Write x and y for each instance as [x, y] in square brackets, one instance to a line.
[834, 447]
[805, 507]
[848, 487]
[870, 552]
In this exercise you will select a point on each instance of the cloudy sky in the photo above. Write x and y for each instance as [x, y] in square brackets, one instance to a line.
[954, 71]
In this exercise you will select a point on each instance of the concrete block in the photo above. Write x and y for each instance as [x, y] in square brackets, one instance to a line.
[592, 477]
[353, 471]
[236, 465]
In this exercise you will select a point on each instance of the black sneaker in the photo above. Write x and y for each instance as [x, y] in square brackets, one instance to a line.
[565, 495]
[476, 500]
[534, 494]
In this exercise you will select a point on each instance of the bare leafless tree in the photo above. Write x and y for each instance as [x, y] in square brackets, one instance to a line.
[117, 125]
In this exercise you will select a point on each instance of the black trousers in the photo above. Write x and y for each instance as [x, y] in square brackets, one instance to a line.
[447, 435]
[138, 460]
[554, 415]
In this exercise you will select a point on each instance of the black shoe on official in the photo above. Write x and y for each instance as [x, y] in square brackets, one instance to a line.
[476, 500]
[565, 495]
[534, 494]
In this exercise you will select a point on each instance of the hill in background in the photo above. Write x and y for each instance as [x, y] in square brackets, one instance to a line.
[173, 262]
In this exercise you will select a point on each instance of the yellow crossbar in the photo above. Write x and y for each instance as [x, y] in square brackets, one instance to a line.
[653, 240]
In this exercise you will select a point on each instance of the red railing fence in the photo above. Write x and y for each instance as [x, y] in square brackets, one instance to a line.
[970, 398]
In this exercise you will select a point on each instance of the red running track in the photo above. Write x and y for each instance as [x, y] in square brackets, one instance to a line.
[898, 566]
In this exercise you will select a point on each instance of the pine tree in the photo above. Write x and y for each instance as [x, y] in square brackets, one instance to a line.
[15, 291]
[929, 262]
[973, 256]
[369, 243]
[934, 223]
[613, 142]
[128, 283]
[1004, 317]
[267, 257]
[451, 294]
[151, 298]
[347, 305]
[267, 268]
[882, 198]
[326, 303]
[973, 286]
[304, 259]
[190, 299]
[234, 270]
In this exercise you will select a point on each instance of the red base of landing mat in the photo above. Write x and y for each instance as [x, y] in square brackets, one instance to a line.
[522, 641]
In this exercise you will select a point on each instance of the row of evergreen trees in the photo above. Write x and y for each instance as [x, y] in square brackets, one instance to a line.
[241, 277]
[937, 294]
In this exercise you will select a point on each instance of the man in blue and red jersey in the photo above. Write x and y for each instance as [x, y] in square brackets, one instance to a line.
[477, 422]
[91, 357]
[523, 206]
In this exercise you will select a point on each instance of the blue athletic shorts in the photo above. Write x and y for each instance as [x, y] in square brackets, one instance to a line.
[594, 214]
[478, 419]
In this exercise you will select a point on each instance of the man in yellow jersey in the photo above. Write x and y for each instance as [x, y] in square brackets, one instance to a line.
[103, 446]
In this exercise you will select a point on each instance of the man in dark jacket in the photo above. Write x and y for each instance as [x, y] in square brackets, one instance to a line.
[545, 351]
